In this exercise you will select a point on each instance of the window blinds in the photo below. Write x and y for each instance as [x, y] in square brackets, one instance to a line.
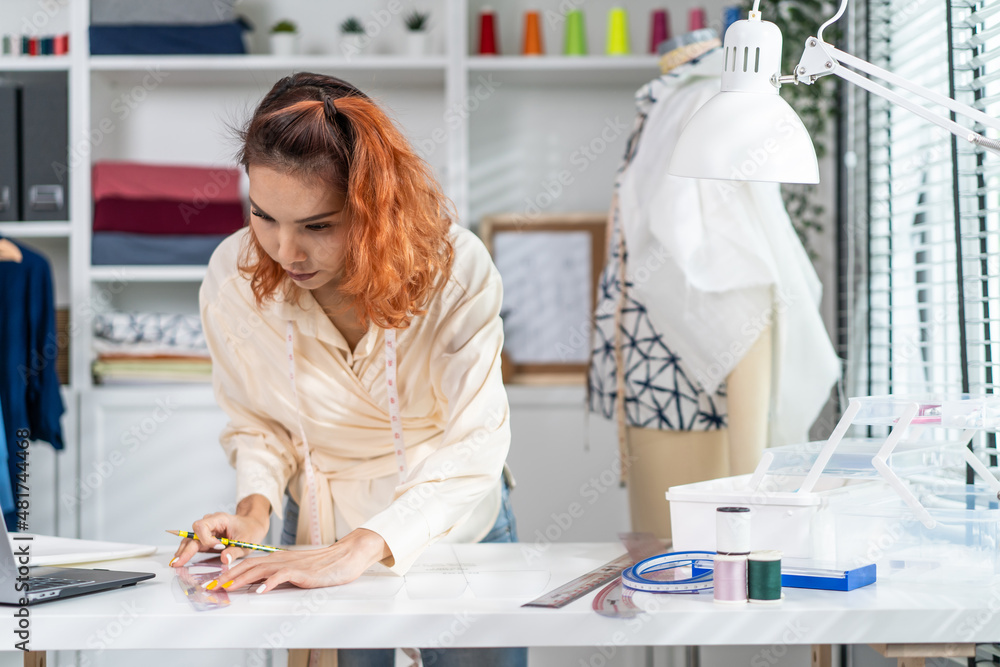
[920, 257]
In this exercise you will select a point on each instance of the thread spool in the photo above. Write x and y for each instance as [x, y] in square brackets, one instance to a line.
[696, 19]
[576, 34]
[730, 579]
[488, 45]
[764, 577]
[618, 41]
[532, 43]
[732, 530]
[660, 29]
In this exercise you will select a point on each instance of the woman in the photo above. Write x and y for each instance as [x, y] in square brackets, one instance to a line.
[351, 264]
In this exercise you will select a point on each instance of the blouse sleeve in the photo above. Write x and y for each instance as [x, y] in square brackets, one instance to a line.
[258, 447]
[444, 489]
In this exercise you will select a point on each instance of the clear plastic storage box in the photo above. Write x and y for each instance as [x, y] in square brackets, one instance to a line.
[963, 545]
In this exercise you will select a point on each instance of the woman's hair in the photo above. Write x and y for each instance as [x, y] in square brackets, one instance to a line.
[398, 250]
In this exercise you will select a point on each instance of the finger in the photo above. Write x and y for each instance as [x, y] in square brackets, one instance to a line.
[243, 573]
[281, 576]
[185, 553]
[230, 555]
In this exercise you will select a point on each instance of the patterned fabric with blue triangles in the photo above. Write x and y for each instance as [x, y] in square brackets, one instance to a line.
[658, 394]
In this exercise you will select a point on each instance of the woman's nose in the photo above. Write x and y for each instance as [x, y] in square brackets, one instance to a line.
[290, 251]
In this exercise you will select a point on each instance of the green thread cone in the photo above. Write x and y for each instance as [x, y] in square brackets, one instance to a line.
[576, 34]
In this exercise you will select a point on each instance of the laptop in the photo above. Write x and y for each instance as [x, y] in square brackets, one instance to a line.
[20, 585]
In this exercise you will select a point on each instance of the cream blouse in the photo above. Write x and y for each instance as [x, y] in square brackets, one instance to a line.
[454, 407]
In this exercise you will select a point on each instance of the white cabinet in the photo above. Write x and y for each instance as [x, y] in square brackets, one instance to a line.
[150, 461]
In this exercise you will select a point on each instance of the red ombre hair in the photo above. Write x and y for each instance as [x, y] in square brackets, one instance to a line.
[398, 249]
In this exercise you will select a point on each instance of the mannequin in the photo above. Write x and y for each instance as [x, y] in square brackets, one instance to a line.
[715, 385]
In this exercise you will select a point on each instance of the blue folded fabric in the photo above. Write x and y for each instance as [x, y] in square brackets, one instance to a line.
[116, 248]
[111, 40]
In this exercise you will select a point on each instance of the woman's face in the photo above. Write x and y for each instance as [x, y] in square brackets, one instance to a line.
[300, 224]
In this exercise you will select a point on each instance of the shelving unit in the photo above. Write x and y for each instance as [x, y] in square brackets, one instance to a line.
[493, 129]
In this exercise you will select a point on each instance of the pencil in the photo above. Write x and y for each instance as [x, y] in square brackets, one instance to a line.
[228, 542]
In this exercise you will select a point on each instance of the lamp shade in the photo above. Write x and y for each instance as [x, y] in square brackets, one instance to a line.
[747, 132]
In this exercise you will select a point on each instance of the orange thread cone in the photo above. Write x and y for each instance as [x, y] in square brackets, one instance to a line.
[532, 35]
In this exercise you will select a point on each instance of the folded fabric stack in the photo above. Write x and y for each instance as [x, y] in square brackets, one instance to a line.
[155, 27]
[140, 348]
[158, 214]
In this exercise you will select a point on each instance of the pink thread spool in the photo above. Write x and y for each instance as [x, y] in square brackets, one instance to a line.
[660, 30]
[730, 579]
[696, 19]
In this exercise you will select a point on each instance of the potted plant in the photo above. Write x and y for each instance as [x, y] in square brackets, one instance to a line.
[284, 38]
[416, 32]
[352, 36]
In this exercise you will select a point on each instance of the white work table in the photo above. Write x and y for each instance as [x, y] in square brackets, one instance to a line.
[479, 604]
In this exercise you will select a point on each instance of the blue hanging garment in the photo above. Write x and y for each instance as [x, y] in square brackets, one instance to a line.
[29, 385]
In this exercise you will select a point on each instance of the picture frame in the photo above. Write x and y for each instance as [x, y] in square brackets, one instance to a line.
[551, 266]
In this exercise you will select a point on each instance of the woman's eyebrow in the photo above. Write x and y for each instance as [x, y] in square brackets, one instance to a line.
[311, 218]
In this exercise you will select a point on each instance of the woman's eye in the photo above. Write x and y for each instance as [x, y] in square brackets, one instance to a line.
[318, 227]
[260, 215]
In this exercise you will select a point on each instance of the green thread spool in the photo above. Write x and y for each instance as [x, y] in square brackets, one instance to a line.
[764, 577]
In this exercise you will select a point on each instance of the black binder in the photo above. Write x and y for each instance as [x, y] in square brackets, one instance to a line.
[45, 151]
[10, 182]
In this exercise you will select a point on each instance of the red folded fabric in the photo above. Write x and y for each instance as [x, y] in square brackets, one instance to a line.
[197, 185]
[113, 214]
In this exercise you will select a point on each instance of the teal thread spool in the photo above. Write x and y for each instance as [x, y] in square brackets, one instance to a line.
[764, 577]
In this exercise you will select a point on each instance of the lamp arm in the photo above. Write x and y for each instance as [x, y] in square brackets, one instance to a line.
[819, 59]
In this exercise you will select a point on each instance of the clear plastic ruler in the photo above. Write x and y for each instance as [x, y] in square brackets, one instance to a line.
[201, 599]
[638, 545]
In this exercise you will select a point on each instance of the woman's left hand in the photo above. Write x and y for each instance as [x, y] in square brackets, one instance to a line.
[336, 564]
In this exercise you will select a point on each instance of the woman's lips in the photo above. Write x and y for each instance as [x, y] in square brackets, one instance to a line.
[300, 277]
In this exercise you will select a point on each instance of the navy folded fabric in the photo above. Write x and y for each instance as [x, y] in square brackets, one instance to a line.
[115, 248]
[112, 40]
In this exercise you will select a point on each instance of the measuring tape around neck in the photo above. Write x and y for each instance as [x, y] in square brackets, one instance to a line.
[395, 422]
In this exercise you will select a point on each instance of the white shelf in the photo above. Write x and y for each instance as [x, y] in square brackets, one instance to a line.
[147, 274]
[399, 70]
[35, 230]
[35, 64]
[568, 70]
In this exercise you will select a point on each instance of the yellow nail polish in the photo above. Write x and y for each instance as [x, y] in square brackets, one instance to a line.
[228, 583]
[173, 561]
[212, 584]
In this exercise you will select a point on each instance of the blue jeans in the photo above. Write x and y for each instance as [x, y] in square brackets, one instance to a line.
[504, 530]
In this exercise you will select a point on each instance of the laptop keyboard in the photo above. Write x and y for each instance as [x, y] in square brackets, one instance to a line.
[36, 584]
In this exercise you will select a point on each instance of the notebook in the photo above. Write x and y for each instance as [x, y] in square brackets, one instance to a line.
[22, 585]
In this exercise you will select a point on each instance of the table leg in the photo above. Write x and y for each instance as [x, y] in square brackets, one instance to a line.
[910, 662]
[822, 655]
[34, 659]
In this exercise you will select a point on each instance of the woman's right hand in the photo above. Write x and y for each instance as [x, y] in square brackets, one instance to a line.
[249, 524]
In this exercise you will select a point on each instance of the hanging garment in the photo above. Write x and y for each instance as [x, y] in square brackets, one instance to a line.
[709, 266]
[29, 385]
[6, 492]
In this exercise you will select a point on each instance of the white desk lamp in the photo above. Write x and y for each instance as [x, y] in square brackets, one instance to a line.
[748, 132]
